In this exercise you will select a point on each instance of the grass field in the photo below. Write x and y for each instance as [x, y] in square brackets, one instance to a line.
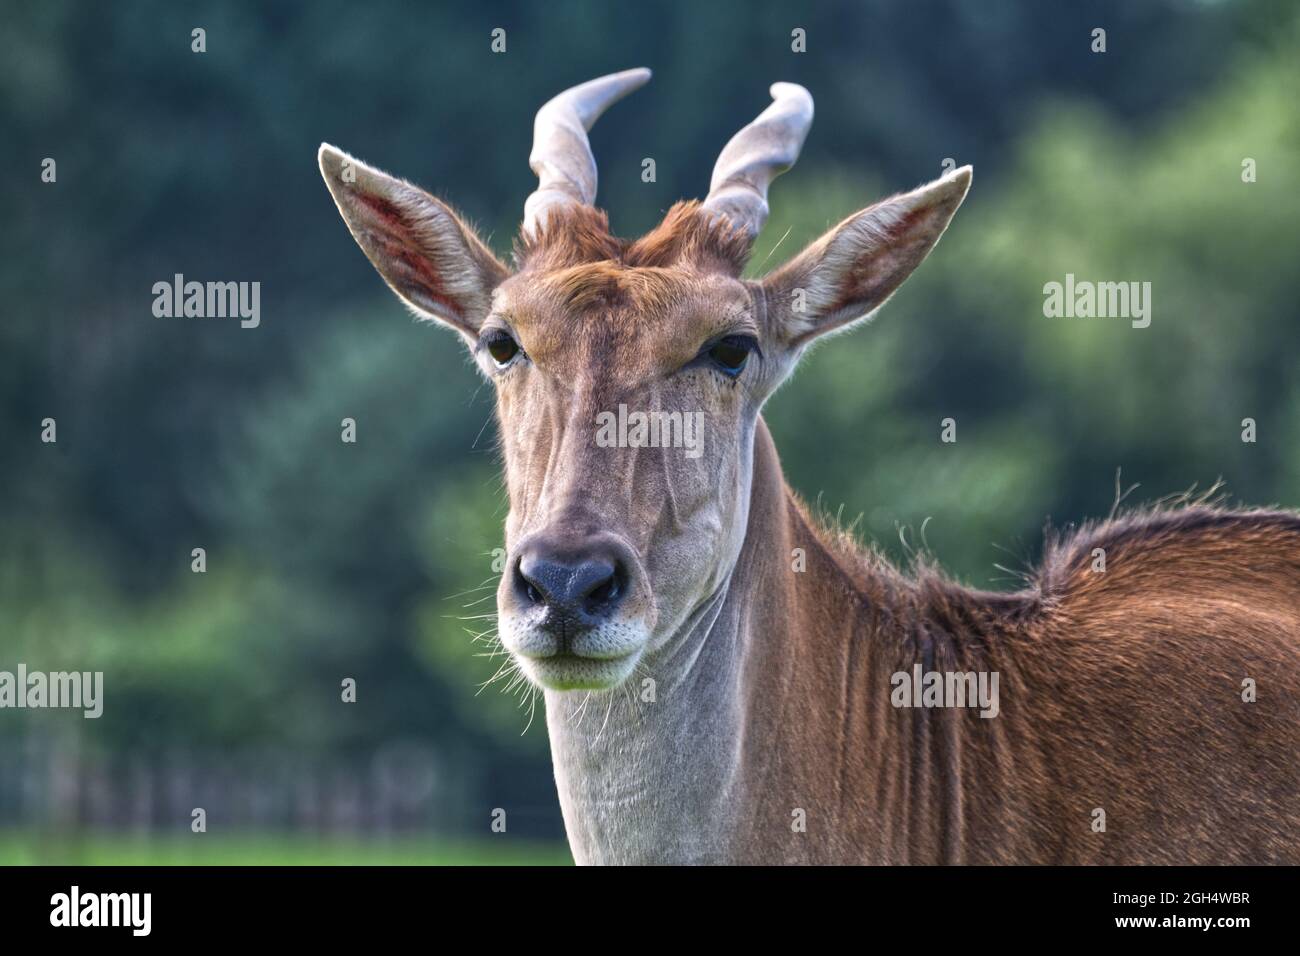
[271, 849]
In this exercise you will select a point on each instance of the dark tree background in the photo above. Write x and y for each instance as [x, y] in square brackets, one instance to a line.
[372, 561]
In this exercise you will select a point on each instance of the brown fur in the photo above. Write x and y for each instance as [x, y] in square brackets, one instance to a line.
[1120, 690]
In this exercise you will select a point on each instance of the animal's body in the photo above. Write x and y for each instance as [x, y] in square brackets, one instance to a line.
[719, 671]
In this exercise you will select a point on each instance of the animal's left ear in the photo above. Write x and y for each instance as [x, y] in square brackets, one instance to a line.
[849, 273]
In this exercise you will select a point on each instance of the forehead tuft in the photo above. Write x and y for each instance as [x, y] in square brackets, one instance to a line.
[687, 237]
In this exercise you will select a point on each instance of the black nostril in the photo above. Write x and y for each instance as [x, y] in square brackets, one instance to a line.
[528, 586]
[530, 591]
[604, 592]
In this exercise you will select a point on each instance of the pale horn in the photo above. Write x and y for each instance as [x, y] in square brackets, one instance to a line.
[758, 154]
[561, 156]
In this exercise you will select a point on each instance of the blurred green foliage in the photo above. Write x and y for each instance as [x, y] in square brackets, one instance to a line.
[374, 560]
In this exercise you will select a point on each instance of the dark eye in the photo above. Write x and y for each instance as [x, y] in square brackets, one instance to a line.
[502, 348]
[731, 354]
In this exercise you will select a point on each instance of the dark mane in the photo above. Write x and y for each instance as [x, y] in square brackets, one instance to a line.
[1144, 547]
[1186, 531]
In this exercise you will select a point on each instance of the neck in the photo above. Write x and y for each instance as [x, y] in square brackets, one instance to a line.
[740, 742]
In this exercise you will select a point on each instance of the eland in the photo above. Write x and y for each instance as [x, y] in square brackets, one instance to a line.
[743, 658]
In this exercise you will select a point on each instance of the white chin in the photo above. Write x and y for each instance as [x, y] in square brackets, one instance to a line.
[569, 672]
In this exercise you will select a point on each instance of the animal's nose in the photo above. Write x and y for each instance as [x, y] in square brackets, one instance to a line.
[577, 590]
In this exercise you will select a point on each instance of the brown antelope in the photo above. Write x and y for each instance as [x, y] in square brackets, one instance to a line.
[726, 680]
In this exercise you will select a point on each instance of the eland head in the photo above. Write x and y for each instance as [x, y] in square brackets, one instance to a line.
[630, 374]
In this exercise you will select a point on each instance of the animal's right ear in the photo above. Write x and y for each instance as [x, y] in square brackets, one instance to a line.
[426, 254]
